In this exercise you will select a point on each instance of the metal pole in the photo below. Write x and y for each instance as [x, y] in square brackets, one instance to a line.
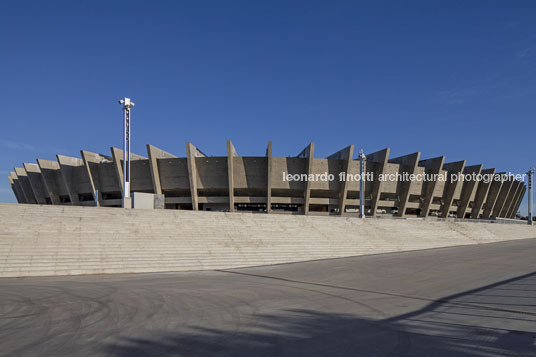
[126, 191]
[127, 105]
[362, 159]
[128, 149]
[530, 183]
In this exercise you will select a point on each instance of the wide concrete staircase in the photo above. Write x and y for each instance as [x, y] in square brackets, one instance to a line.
[62, 240]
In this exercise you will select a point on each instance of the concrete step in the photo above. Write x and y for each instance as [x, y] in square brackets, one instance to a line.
[56, 240]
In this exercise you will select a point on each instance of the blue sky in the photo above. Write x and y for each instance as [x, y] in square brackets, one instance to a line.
[454, 78]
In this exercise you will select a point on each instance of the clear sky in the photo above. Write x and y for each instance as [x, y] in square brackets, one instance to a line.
[453, 78]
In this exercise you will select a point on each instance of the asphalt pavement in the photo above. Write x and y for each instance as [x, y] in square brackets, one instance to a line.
[477, 300]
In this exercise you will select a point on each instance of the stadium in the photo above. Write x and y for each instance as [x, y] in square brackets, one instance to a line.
[267, 184]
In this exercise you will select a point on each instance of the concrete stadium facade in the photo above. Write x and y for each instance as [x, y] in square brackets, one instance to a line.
[257, 183]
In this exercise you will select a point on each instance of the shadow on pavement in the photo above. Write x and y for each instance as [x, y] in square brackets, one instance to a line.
[495, 320]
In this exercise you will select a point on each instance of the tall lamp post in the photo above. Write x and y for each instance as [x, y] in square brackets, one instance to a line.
[127, 105]
[362, 159]
[530, 184]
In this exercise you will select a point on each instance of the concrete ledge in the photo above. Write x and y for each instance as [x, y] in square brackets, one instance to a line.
[66, 240]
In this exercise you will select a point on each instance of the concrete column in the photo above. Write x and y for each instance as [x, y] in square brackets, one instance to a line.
[452, 168]
[269, 178]
[346, 155]
[16, 187]
[481, 193]
[408, 164]
[92, 159]
[87, 158]
[308, 153]
[468, 189]
[52, 179]
[518, 201]
[515, 192]
[191, 153]
[25, 185]
[117, 158]
[508, 197]
[67, 165]
[431, 167]
[231, 153]
[13, 189]
[381, 158]
[492, 197]
[36, 182]
[117, 155]
[154, 154]
[501, 199]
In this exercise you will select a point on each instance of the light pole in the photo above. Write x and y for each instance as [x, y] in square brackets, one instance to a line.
[362, 159]
[530, 183]
[127, 105]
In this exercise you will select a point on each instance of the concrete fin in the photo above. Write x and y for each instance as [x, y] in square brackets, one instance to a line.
[154, 154]
[307, 152]
[452, 168]
[16, 188]
[269, 179]
[117, 157]
[468, 189]
[25, 185]
[231, 153]
[132, 155]
[380, 158]
[342, 154]
[431, 166]
[501, 198]
[408, 163]
[67, 163]
[348, 157]
[510, 202]
[36, 182]
[195, 152]
[268, 149]
[191, 153]
[158, 153]
[519, 200]
[481, 193]
[491, 198]
[54, 183]
[15, 192]
[93, 175]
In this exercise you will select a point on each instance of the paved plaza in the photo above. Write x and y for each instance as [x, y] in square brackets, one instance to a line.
[461, 301]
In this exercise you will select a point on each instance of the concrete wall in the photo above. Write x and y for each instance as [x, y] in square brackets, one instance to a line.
[63, 240]
[143, 200]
